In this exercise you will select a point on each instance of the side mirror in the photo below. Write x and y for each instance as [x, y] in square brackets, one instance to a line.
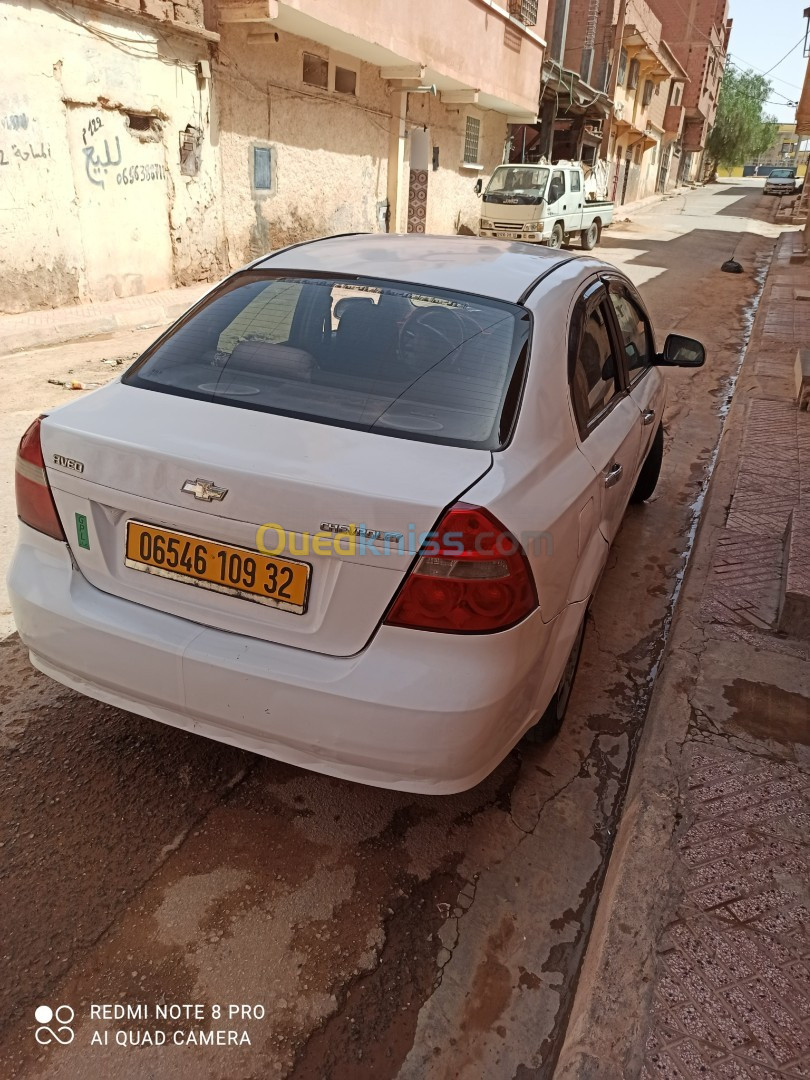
[682, 352]
[479, 184]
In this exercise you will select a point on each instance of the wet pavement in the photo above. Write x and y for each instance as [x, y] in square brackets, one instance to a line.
[368, 933]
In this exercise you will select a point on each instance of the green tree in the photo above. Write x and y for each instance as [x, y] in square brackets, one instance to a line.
[742, 130]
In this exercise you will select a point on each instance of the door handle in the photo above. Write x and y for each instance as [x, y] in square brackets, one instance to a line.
[648, 416]
[613, 475]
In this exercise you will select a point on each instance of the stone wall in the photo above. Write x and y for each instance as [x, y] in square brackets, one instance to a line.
[93, 200]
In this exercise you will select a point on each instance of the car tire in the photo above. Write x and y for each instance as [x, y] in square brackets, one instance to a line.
[551, 721]
[650, 470]
[590, 237]
[557, 236]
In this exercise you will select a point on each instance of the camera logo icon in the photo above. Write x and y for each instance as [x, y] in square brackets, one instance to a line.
[61, 1018]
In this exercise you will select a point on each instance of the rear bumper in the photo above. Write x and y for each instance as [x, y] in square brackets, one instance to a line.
[419, 712]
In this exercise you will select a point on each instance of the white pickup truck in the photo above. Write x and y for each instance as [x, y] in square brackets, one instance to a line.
[543, 204]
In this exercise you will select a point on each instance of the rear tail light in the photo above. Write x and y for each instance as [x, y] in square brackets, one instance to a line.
[471, 577]
[35, 505]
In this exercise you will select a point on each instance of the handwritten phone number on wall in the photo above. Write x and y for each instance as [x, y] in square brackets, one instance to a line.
[135, 174]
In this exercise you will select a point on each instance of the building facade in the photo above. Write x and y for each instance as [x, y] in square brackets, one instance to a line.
[145, 143]
[697, 31]
[620, 45]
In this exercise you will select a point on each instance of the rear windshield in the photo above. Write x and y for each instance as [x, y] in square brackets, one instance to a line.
[421, 364]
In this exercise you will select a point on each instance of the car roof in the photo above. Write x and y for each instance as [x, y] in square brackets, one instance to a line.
[492, 268]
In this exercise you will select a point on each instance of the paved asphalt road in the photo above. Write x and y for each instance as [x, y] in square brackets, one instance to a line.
[370, 934]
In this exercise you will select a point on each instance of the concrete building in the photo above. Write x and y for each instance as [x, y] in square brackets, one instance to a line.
[145, 143]
[338, 116]
[618, 47]
[697, 31]
[109, 173]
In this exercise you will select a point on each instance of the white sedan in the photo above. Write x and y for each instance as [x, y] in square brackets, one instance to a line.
[349, 511]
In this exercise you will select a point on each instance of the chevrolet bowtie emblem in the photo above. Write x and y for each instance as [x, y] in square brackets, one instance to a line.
[206, 490]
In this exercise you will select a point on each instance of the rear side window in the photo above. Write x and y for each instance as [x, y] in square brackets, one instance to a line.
[408, 362]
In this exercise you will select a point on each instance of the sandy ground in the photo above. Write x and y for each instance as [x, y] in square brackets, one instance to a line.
[384, 935]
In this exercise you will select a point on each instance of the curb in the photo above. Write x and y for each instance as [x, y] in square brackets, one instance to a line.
[606, 1028]
[92, 324]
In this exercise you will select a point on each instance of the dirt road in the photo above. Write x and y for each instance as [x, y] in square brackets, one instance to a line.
[367, 934]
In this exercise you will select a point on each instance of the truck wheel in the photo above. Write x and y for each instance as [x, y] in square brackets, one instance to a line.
[650, 470]
[589, 237]
[557, 236]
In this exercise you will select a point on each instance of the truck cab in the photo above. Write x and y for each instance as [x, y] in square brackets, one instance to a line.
[542, 204]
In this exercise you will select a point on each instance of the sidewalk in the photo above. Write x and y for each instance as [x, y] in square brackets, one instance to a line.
[34, 329]
[699, 961]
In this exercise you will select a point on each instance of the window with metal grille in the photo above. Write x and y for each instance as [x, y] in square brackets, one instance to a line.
[621, 74]
[524, 10]
[316, 71]
[632, 81]
[472, 135]
[262, 168]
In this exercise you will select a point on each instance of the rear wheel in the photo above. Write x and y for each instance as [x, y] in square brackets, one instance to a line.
[650, 470]
[557, 236]
[551, 721]
[589, 237]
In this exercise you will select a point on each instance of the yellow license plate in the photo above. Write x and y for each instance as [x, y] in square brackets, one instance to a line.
[223, 568]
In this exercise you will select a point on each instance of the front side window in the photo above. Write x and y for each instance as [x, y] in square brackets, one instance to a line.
[592, 364]
[636, 337]
[556, 187]
[412, 362]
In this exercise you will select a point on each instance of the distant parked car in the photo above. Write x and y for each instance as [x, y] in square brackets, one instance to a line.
[350, 510]
[781, 182]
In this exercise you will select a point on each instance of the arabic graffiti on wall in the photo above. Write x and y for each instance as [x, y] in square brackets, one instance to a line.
[27, 152]
[95, 166]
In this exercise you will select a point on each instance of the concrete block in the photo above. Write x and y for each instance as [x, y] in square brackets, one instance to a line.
[158, 9]
[188, 13]
[794, 603]
[801, 372]
[128, 5]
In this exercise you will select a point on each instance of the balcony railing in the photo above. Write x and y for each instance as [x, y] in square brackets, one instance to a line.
[524, 10]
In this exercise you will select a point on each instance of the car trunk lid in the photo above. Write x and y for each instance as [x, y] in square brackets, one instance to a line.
[125, 454]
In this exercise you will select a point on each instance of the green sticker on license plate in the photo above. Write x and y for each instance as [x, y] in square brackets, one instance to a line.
[82, 531]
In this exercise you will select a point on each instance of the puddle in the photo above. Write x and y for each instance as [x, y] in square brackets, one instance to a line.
[769, 712]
